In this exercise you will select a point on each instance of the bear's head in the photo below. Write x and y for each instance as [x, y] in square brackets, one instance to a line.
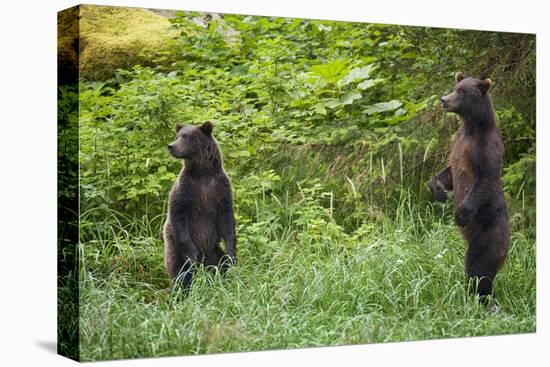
[467, 95]
[191, 141]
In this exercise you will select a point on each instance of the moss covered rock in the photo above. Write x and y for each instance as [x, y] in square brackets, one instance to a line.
[67, 46]
[117, 37]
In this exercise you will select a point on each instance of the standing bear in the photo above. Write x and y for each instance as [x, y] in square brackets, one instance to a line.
[200, 207]
[474, 174]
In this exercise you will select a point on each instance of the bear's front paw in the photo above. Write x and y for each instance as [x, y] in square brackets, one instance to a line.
[441, 196]
[439, 191]
[230, 260]
[463, 215]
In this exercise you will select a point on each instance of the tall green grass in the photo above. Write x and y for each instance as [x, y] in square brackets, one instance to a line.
[302, 280]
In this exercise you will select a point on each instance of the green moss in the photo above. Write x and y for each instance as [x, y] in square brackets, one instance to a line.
[115, 37]
[67, 44]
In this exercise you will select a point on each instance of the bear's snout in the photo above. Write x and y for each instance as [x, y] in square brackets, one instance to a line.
[445, 102]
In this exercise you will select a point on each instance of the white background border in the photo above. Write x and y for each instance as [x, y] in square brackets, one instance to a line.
[28, 182]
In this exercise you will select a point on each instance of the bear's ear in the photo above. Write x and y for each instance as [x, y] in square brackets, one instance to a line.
[484, 85]
[178, 127]
[207, 128]
[459, 76]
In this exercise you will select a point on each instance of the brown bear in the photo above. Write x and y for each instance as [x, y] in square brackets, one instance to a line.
[474, 174]
[200, 207]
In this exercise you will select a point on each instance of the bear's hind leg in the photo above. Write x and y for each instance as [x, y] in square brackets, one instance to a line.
[480, 268]
[179, 261]
[183, 272]
[485, 255]
[180, 269]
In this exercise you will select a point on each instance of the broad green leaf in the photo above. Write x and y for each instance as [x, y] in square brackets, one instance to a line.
[400, 112]
[332, 103]
[369, 83]
[357, 74]
[332, 71]
[240, 154]
[348, 98]
[320, 110]
[322, 27]
[382, 107]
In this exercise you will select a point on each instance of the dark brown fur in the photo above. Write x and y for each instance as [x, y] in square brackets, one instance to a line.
[474, 174]
[200, 206]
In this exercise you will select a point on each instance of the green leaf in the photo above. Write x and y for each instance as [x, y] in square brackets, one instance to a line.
[369, 83]
[400, 112]
[332, 71]
[332, 103]
[320, 110]
[348, 98]
[382, 107]
[357, 74]
[240, 154]
[321, 27]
